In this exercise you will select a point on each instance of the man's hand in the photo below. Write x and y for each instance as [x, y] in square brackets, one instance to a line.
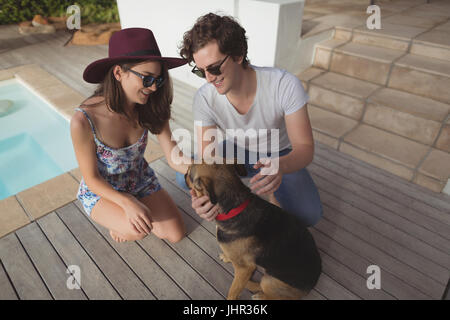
[204, 208]
[268, 182]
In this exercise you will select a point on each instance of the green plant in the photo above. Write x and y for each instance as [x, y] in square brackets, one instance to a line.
[100, 11]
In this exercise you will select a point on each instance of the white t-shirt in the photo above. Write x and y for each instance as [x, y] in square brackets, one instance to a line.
[278, 94]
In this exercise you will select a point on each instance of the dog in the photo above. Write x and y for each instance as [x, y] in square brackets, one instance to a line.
[253, 232]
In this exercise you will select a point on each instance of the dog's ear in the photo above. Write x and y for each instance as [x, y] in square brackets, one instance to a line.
[240, 169]
[205, 186]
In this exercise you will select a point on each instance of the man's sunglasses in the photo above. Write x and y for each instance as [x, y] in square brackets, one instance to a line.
[149, 80]
[214, 70]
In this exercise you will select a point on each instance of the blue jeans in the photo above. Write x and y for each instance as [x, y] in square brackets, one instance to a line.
[297, 193]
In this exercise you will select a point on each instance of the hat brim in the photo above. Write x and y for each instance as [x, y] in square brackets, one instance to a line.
[96, 71]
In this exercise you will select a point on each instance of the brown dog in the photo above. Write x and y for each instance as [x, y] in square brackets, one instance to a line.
[255, 232]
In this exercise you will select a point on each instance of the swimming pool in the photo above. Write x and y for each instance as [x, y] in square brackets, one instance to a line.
[35, 143]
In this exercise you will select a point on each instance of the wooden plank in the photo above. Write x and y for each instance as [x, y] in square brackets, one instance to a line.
[185, 276]
[388, 216]
[6, 288]
[206, 239]
[49, 265]
[26, 280]
[367, 195]
[391, 284]
[206, 266]
[206, 260]
[385, 229]
[314, 295]
[436, 200]
[93, 282]
[385, 262]
[159, 168]
[124, 280]
[446, 295]
[384, 190]
[161, 285]
[350, 279]
[333, 290]
[391, 248]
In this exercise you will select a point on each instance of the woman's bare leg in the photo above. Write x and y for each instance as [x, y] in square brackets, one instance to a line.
[166, 219]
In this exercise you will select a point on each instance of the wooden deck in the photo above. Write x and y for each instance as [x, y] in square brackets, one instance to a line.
[370, 218]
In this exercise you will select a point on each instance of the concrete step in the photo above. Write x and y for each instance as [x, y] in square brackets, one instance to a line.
[422, 164]
[386, 150]
[329, 127]
[434, 43]
[407, 115]
[390, 36]
[364, 62]
[399, 112]
[394, 130]
[422, 76]
[322, 56]
[443, 141]
[435, 171]
[340, 94]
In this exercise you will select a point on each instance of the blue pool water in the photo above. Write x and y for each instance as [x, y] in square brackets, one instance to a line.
[35, 143]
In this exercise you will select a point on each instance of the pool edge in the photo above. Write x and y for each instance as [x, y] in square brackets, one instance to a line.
[28, 205]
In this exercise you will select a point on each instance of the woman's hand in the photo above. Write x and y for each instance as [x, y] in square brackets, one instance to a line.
[268, 179]
[138, 215]
[204, 208]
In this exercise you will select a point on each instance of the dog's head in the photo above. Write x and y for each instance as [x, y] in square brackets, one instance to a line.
[214, 179]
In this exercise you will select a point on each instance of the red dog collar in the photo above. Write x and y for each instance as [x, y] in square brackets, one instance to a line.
[233, 212]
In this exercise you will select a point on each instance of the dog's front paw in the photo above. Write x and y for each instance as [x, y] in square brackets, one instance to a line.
[253, 286]
[258, 296]
[224, 258]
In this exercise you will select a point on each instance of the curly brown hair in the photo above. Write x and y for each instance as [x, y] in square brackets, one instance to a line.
[228, 33]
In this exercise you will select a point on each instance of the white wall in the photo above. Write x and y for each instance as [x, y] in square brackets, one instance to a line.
[273, 27]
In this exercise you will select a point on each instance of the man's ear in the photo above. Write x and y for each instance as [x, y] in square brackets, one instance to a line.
[239, 60]
[206, 187]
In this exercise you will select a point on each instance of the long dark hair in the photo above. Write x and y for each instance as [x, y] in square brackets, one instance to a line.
[153, 115]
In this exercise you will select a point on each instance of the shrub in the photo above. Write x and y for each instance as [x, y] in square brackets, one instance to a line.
[100, 11]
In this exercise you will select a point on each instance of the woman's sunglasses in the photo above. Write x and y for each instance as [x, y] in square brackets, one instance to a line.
[214, 70]
[149, 80]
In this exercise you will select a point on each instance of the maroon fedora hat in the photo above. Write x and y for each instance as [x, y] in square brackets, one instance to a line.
[126, 44]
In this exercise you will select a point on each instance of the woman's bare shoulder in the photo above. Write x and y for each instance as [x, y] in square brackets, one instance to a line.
[79, 122]
[93, 104]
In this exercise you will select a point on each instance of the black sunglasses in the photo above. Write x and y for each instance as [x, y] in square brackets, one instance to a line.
[215, 70]
[148, 81]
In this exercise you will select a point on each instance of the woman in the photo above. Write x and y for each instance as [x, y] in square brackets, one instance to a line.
[109, 134]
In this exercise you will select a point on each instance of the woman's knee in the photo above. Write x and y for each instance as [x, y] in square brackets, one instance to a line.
[174, 238]
[177, 233]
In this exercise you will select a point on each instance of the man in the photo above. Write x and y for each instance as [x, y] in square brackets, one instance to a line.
[238, 95]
